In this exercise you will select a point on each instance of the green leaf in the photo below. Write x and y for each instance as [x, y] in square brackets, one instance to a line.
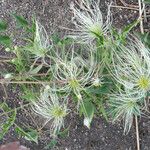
[120, 36]
[51, 145]
[3, 25]
[88, 110]
[55, 38]
[128, 28]
[65, 41]
[30, 135]
[98, 90]
[33, 134]
[28, 94]
[5, 40]
[148, 94]
[6, 126]
[147, 1]
[32, 28]
[5, 107]
[145, 38]
[36, 70]
[102, 110]
[64, 133]
[61, 42]
[21, 21]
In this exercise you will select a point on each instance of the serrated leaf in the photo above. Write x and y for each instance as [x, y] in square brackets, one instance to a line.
[128, 28]
[30, 135]
[21, 21]
[3, 25]
[6, 126]
[5, 40]
[52, 144]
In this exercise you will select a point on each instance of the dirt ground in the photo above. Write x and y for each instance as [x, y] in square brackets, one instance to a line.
[54, 14]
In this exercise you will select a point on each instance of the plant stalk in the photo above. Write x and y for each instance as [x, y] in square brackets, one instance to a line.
[140, 16]
[137, 133]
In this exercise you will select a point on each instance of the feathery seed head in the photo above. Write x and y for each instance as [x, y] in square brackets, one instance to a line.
[125, 106]
[41, 41]
[132, 67]
[74, 84]
[74, 72]
[97, 82]
[144, 83]
[95, 30]
[58, 112]
[51, 108]
[89, 23]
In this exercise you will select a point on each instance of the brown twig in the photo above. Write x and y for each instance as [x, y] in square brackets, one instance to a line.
[23, 82]
[5, 60]
[41, 74]
[33, 120]
[123, 7]
[128, 5]
[6, 57]
[5, 113]
[144, 13]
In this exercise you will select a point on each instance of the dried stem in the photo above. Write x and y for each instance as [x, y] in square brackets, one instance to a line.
[137, 133]
[5, 60]
[24, 82]
[6, 57]
[6, 113]
[5, 91]
[124, 7]
[128, 5]
[144, 13]
[33, 120]
[140, 17]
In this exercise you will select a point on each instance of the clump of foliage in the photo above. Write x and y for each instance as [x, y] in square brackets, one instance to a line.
[92, 67]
